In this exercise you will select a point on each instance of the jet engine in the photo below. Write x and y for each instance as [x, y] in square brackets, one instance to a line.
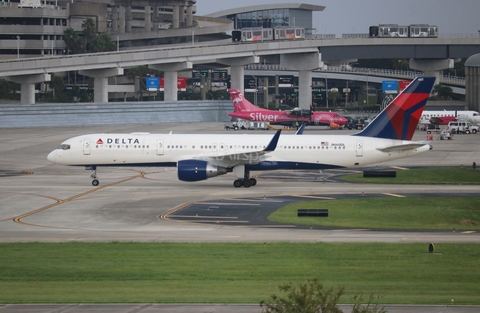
[196, 170]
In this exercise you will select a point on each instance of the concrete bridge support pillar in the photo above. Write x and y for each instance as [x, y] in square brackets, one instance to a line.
[121, 19]
[432, 68]
[304, 63]
[189, 20]
[115, 19]
[27, 85]
[170, 77]
[100, 82]
[148, 18]
[237, 70]
[176, 17]
[181, 16]
[128, 19]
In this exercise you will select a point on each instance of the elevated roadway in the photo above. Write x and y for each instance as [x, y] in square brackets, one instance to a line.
[330, 49]
[301, 55]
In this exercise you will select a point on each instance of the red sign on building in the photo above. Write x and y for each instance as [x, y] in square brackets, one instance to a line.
[181, 83]
[402, 84]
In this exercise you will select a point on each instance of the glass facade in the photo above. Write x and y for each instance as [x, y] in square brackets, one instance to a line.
[265, 18]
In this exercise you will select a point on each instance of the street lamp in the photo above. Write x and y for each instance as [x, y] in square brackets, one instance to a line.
[346, 95]
[326, 89]
[18, 47]
[366, 78]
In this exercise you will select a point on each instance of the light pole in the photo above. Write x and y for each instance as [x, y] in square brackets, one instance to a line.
[18, 47]
[118, 43]
[366, 78]
[346, 95]
[326, 89]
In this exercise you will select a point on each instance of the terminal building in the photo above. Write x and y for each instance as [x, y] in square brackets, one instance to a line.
[32, 28]
[272, 15]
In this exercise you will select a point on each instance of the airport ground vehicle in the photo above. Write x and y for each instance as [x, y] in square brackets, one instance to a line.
[268, 34]
[462, 128]
[404, 31]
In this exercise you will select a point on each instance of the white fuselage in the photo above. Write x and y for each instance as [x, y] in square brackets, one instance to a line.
[305, 151]
[471, 115]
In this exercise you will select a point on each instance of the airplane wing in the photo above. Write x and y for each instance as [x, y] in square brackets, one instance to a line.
[250, 157]
[408, 146]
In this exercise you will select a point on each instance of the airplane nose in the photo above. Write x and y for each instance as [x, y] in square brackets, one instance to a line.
[51, 157]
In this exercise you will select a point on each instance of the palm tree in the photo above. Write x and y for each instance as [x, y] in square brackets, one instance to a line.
[89, 30]
[102, 43]
[73, 41]
[441, 92]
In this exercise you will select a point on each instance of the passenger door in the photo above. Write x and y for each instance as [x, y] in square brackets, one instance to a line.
[86, 146]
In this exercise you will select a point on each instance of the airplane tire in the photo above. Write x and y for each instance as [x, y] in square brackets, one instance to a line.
[252, 181]
[95, 182]
[246, 183]
[238, 183]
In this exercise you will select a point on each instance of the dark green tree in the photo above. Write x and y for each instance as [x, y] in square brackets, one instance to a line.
[103, 43]
[7, 89]
[441, 92]
[73, 41]
[57, 85]
[369, 307]
[310, 297]
[89, 31]
[334, 96]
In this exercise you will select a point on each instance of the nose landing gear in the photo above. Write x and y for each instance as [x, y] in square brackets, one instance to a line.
[93, 175]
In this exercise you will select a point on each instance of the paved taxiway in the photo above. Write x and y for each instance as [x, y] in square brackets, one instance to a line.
[45, 202]
[51, 203]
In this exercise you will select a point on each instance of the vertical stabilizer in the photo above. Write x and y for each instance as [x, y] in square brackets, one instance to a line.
[400, 118]
[240, 104]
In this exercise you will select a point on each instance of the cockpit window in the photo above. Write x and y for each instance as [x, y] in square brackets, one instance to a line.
[63, 147]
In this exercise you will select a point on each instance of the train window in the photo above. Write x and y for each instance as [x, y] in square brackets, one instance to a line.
[249, 35]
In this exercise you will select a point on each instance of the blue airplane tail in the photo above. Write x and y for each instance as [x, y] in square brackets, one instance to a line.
[400, 118]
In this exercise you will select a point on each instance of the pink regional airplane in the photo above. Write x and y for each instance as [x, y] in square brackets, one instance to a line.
[245, 110]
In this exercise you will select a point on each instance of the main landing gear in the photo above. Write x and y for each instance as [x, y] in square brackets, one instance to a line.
[246, 182]
[94, 177]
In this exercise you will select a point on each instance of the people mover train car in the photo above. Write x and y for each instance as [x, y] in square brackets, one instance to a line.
[268, 34]
[403, 31]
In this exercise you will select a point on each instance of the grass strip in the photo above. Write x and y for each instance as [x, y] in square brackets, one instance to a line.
[234, 272]
[410, 213]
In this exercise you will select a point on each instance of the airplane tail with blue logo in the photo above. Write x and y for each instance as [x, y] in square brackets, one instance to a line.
[400, 118]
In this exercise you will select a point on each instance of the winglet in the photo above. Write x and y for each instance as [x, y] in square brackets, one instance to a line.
[300, 129]
[273, 143]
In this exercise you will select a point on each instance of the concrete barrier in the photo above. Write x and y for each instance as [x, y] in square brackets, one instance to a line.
[112, 113]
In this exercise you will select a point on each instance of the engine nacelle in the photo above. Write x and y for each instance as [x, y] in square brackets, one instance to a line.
[195, 170]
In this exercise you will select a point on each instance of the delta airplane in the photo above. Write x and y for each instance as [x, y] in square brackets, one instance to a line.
[200, 157]
[244, 109]
[444, 117]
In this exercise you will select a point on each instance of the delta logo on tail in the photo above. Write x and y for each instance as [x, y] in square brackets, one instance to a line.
[244, 109]
[400, 119]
